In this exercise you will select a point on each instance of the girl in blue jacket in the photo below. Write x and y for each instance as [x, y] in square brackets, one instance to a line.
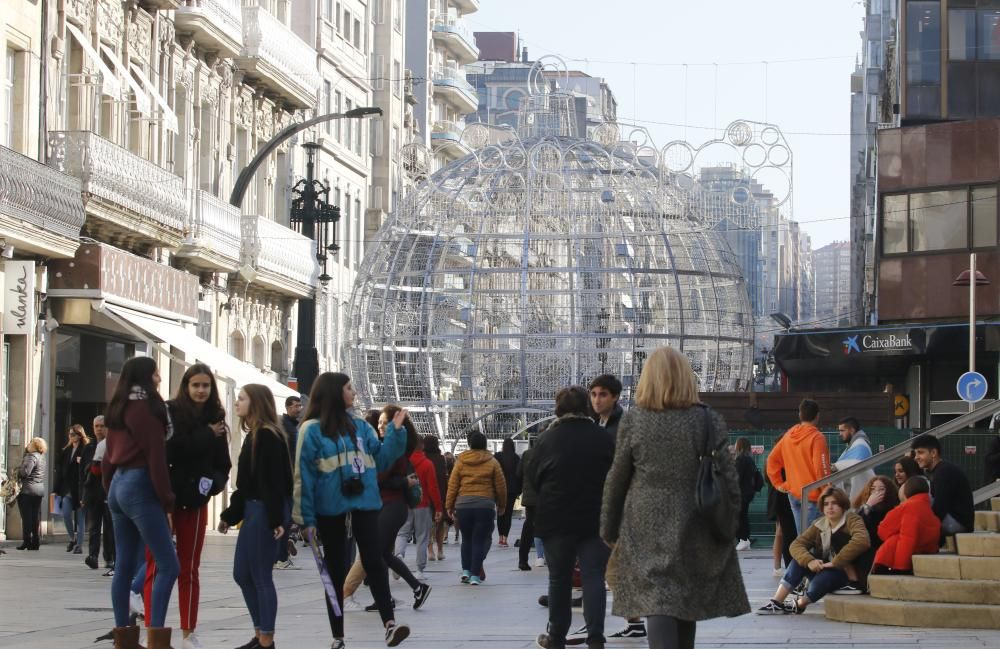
[337, 459]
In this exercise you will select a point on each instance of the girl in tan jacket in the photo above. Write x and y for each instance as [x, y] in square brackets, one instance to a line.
[477, 492]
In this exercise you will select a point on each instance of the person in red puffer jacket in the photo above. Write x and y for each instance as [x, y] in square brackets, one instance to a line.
[912, 528]
[422, 517]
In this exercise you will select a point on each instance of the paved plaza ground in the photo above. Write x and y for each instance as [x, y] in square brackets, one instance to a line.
[50, 600]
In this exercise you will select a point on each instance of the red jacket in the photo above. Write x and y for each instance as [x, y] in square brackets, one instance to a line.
[428, 481]
[912, 528]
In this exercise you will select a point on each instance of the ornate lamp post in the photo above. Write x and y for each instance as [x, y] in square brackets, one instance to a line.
[313, 217]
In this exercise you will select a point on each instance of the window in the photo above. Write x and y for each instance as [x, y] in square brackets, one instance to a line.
[961, 34]
[348, 125]
[378, 72]
[923, 58]
[939, 220]
[375, 138]
[397, 14]
[357, 211]
[336, 15]
[328, 104]
[358, 139]
[394, 145]
[894, 238]
[8, 98]
[397, 78]
[345, 218]
[989, 29]
[347, 25]
[984, 217]
[378, 11]
[327, 9]
[357, 33]
[338, 102]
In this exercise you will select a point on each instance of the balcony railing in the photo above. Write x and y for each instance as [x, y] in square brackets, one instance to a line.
[116, 175]
[214, 231]
[267, 39]
[466, 6]
[465, 41]
[273, 248]
[451, 76]
[39, 195]
[223, 16]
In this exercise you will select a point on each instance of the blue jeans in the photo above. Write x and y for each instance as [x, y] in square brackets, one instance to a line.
[74, 517]
[821, 583]
[539, 548]
[140, 574]
[796, 505]
[140, 521]
[477, 535]
[593, 555]
[252, 566]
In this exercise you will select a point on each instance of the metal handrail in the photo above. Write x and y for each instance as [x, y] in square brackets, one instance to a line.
[897, 451]
[983, 494]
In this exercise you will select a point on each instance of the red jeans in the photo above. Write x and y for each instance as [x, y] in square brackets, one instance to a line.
[189, 528]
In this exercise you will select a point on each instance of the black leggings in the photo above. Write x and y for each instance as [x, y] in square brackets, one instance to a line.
[391, 519]
[666, 632]
[30, 508]
[333, 532]
[504, 519]
[743, 534]
[527, 534]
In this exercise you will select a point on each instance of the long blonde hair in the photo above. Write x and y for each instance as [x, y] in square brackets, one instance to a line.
[79, 430]
[37, 444]
[262, 414]
[667, 381]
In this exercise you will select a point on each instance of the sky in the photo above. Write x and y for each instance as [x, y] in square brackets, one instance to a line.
[685, 69]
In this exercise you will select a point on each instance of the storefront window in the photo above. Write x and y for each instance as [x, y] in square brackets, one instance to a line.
[984, 217]
[939, 220]
[923, 58]
[989, 35]
[961, 35]
[894, 224]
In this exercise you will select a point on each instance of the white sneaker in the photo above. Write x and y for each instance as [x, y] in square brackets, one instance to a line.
[743, 545]
[352, 605]
[191, 642]
[540, 563]
[283, 565]
[420, 575]
[135, 604]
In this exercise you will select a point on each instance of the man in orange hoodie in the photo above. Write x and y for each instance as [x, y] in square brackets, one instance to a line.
[799, 457]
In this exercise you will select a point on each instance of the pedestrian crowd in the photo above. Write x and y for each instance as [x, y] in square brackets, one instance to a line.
[613, 501]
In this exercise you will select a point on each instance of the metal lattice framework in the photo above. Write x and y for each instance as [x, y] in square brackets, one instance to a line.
[536, 263]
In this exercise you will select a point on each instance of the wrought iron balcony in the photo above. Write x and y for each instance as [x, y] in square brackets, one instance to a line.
[122, 191]
[276, 58]
[40, 209]
[212, 238]
[452, 33]
[284, 259]
[446, 138]
[214, 24]
[450, 83]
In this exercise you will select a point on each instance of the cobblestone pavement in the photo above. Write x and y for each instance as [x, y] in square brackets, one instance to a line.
[50, 600]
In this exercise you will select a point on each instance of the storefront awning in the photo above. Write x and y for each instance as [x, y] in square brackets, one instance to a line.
[166, 334]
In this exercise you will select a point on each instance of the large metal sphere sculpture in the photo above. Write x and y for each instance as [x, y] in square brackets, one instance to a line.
[534, 264]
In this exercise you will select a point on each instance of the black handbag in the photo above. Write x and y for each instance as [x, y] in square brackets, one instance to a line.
[711, 496]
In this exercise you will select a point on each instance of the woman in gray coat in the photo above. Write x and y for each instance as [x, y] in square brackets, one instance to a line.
[671, 568]
[29, 501]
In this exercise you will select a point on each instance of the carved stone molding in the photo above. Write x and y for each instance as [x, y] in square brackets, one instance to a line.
[81, 10]
[140, 34]
[111, 19]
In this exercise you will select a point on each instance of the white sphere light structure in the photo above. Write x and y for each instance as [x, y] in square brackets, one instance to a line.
[537, 263]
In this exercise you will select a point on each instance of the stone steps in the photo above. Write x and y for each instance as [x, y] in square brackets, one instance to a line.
[978, 544]
[988, 521]
[995, 504]
[868, 610]
[926, 589]
[951, 566]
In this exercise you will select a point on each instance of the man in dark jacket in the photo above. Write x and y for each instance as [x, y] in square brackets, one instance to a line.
[567, 471]
[604, 393]
[528, 500]
[290, 422]
[95, 500]
[950, 488]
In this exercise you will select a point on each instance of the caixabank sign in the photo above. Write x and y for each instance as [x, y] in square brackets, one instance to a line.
[861, 343]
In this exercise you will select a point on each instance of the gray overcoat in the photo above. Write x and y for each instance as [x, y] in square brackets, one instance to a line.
[668, 561]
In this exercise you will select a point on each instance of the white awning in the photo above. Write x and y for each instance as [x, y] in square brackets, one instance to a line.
[109, 81]
[158, 333]
[169, 116]
[141, 100]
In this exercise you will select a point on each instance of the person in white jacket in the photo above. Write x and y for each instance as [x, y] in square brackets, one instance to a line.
[858, 449]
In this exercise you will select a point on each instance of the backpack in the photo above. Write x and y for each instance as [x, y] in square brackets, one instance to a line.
[413, 494]
[758, 480]
[10, 487]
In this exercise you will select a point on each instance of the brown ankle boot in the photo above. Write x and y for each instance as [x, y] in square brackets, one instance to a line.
[126, 637]
[158, 638]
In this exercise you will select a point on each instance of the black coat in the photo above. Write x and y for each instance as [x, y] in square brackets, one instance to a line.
[528, 496]
[613, 420]
[291, 426]
[91, 485]
[68, 472]
[952, 494]
[264, 473]
[510, 475]
[745, 469]
[567, 471]
[993, 460]
[195, 452]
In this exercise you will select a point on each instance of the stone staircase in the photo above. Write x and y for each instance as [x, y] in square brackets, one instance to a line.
[960, 590]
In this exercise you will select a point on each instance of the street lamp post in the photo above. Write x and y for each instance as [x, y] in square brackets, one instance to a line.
[314, 217]
[971, 278]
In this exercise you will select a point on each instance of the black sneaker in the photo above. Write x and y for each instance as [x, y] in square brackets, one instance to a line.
[523, 565]
[78, 550]
[396, 633]
[577, 637]
[91, 562]
[543, 601]
[420, 595]
[374, 606]
[849, 589]
[773, 608]
[253, 644]
[631, 630]
[110, 572]
[70, 546]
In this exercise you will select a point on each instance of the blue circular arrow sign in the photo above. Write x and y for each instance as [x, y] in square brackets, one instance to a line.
[971, 387]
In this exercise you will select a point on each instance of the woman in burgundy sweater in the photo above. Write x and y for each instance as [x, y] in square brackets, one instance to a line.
[134, 469]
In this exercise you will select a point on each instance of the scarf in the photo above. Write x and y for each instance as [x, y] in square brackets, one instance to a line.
[137, 393]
